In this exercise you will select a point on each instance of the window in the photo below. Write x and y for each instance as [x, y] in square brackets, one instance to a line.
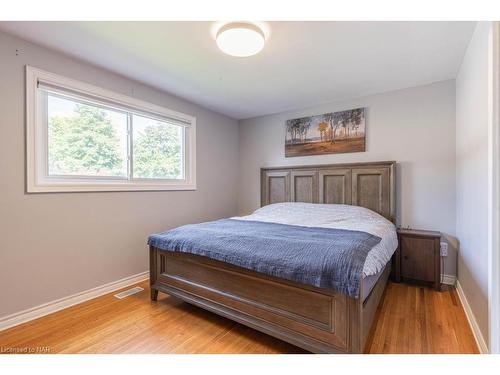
[83, 138]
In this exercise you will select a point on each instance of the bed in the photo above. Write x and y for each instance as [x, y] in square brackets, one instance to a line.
[354, 203]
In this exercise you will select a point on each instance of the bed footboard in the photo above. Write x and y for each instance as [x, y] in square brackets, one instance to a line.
[318, 320]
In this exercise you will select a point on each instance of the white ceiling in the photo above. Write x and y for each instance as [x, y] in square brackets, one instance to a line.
[302, 64]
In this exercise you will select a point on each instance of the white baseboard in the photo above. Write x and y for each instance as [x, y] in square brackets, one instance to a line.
[65, 302]
[448, 279]
[481, 343]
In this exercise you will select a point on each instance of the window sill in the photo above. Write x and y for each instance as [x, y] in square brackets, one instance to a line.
[108, 187]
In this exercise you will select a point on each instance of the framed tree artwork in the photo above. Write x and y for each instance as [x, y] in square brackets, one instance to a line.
[329, 133]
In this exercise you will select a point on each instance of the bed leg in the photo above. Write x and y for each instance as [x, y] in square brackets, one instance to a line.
[154, 295]
[153, 270]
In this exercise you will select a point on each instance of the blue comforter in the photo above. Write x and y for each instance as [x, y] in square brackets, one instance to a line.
[322, 257]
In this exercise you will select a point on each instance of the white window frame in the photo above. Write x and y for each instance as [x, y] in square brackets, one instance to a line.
[37, 177]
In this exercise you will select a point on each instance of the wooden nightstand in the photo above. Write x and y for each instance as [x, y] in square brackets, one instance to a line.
[417, 258]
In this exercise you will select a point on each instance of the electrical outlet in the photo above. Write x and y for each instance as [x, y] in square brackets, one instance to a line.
[444, 249]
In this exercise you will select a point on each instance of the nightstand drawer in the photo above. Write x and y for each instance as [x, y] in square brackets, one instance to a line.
[417, 258]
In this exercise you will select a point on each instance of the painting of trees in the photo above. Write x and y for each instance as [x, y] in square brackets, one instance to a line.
[357, 116]
[333, 132]
[322, 128]
[335, 120]
[298, 128]
[292, 128]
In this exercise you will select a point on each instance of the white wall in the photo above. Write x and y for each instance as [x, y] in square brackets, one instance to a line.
[472, 90]
[55, 245]
[415, 127]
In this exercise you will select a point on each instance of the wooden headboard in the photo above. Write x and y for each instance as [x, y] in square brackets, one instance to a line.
[370, 185]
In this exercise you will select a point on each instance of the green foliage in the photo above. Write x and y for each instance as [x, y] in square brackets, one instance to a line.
[87, 144]
[157, 152]
[84, 144]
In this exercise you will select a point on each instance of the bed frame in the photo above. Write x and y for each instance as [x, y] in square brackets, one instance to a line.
[318, 320]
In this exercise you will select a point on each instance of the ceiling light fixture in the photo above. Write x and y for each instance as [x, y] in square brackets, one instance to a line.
[240, 39]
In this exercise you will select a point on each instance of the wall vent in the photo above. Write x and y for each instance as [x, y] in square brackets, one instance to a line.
[129, 292]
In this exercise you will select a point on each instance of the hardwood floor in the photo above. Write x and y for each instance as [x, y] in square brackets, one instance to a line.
[413, 319]
[410, 320]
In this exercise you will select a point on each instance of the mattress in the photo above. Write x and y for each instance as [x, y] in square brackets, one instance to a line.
[369, 282]
[336, 216]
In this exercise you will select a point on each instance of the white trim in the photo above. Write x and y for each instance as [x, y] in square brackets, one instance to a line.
[448, 279]
[478, 336]
[106, 95]
[494, 192]
[65, 302]
[37, 179]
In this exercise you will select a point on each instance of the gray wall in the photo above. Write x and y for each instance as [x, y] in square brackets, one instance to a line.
[472, 93]
[415, 127]
[55, 245]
